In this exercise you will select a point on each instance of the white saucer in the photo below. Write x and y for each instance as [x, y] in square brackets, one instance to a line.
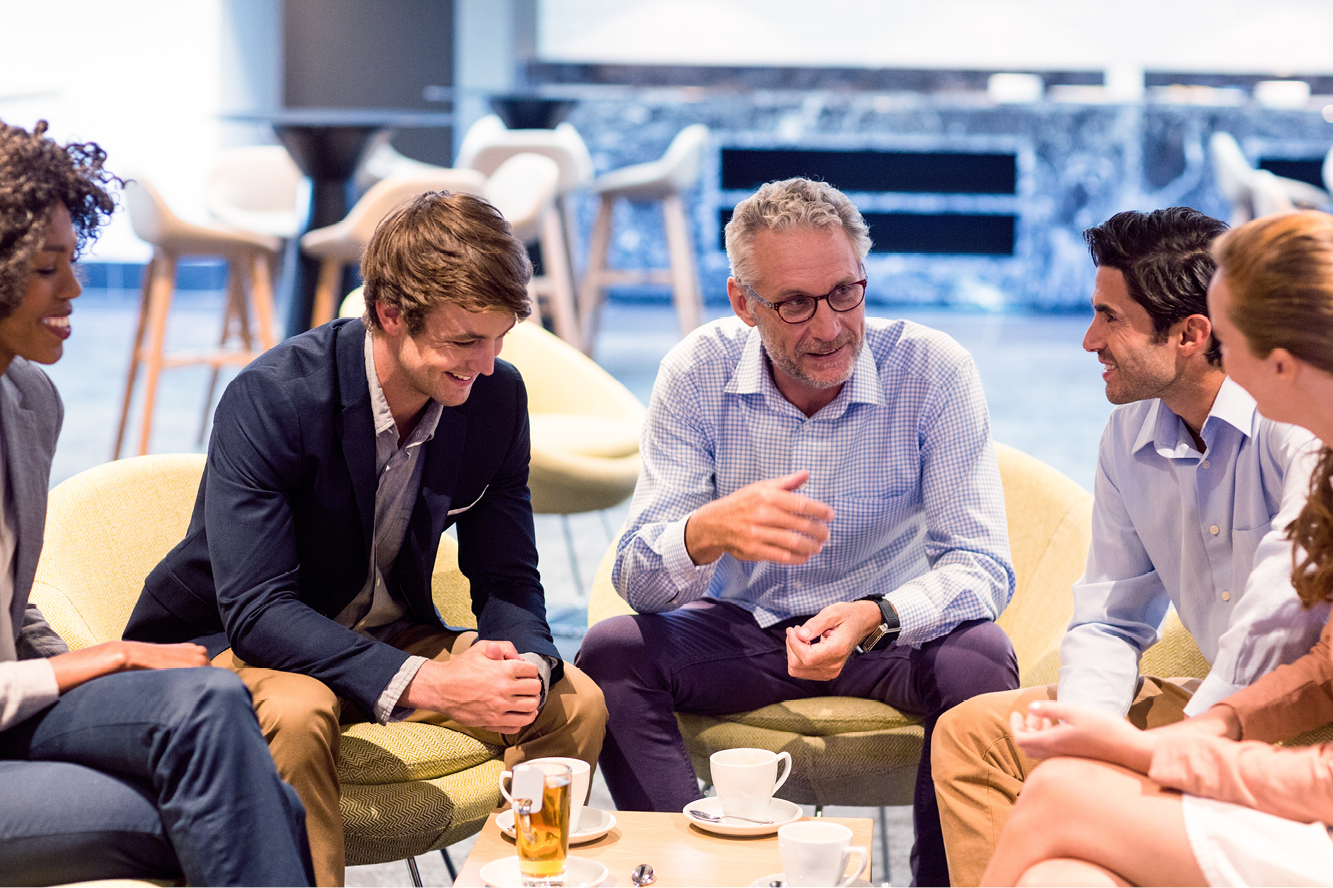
[780, 811]
[593, 824]
[763, 881]
[504, 873]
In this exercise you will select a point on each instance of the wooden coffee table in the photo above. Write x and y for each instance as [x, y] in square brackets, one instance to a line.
[680, 854]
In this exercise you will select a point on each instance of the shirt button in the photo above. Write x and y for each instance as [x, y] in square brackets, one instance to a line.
[1205, 464]
[1213, 530]
[1226, 596]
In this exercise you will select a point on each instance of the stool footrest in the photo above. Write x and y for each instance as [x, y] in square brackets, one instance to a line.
[212, 358]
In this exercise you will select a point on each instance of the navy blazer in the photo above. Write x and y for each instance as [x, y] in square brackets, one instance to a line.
[280, 539]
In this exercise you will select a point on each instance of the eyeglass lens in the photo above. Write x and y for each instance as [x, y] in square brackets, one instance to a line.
[842, 298]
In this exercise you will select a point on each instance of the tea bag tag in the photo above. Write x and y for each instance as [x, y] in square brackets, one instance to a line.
[529, 783]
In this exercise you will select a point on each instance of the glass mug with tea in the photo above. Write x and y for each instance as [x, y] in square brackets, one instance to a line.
[539, 795]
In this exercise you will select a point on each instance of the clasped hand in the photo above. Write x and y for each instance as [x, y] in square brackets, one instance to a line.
[488, 686]
[1051, 728]
[764, 521]
[819, 647]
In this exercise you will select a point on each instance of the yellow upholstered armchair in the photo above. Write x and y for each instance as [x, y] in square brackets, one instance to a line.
[835, 742]
[406, 788]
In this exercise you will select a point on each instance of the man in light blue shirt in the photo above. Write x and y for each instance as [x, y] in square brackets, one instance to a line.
[820, 513]
[1194, 492]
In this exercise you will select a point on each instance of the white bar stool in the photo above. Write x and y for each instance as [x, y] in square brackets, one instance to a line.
[249, 258]
[1252, 192]
[523, 189]
[342, 243]
[662, 180]
[256, 188]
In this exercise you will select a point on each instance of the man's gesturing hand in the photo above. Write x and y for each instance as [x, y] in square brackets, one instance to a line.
[488, 686]
[764, 521]
[819, 647]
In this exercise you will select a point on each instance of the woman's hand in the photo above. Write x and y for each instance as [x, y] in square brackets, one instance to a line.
[1052, 728]
[74, 668]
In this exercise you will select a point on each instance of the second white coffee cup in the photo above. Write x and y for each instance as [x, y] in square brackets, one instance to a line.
[747, 778]
[578, 787]
[816, 853]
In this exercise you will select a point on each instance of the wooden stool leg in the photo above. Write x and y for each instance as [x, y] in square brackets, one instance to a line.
[163, 289]
[684, 278]
[136, 353]
[556, 260]
[592, 291]
[330, 274]
[261, 298]
[233, 315]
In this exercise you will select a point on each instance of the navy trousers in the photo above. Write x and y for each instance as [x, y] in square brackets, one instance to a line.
[711, 657]
[152, 774]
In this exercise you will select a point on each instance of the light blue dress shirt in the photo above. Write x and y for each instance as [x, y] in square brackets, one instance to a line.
[1201, 531]
[903, 456]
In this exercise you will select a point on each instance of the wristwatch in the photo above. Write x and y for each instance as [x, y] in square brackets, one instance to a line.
[888, 628]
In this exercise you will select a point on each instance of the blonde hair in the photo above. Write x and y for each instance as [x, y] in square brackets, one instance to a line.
[791, 203]
[1279, 274]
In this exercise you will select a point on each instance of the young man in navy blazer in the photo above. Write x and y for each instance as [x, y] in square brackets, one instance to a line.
[337, 460]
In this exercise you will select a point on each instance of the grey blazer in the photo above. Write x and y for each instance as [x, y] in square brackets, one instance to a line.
[30, 418]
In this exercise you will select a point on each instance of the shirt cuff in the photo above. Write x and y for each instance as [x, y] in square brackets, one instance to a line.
[1213, 690]
[386, 707]
[544, 667]
[675, 556]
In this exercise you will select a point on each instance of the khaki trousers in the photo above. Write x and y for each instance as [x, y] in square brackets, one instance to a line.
[979, 770]
[300, 718]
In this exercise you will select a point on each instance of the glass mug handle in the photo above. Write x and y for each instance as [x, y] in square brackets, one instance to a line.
[523, 819]
[506, 775]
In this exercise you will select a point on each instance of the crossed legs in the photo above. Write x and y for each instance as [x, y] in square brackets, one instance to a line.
[979, 771]
[1082, 822]
[147, 775]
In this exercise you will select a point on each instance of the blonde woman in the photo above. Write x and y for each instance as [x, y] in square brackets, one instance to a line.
[1209, 801]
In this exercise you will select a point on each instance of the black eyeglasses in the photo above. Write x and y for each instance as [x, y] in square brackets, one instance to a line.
[800, 309]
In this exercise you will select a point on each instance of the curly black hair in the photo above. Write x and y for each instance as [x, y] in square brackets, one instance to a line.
[35, 175]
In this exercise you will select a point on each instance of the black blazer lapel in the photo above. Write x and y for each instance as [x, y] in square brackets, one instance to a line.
[356, 424]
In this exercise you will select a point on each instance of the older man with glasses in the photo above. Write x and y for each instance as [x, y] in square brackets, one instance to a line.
[820, 513]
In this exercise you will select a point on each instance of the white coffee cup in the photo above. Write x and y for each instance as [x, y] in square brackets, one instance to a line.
[816, 853]
[578, 787]
[747, 778]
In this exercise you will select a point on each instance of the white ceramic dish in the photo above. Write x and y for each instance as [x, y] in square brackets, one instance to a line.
[579, 871]
[765, 881]
[593, 824]
[780, 811]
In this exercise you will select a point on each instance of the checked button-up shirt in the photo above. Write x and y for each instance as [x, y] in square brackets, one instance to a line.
[903, 456]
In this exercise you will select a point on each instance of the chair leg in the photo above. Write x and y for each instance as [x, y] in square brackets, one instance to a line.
[819, 810]
[233, 314]
[449, 865]
[330, 274]
[580, 593]
[136, 353]
[592, 291]
[684, 278]
[416, 874]
[163, 289]
[560, 283]
[884, 874]
[261, 298]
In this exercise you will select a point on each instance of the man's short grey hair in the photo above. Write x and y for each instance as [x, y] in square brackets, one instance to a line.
[791, 203]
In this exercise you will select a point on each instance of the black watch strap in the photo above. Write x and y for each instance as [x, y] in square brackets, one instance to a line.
[887, 630]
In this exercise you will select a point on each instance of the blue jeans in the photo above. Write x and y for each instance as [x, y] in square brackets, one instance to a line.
[712, 657]
[152, 775]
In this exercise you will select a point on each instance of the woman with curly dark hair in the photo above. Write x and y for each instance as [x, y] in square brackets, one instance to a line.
[125, 759]
[1210, 800]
